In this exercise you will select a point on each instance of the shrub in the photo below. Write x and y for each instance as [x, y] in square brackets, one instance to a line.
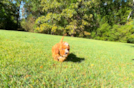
[102, 33]
[87, 34]
[28, 24]
[130, 39]
[43, 28]
[122, 33]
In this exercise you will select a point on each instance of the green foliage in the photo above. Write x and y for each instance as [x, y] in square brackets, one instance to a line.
[131, 38]
[28, 25]
[122, 33]
[32, 7]
[103, 31]
[77, 16]
[8, 15]
[68, 19]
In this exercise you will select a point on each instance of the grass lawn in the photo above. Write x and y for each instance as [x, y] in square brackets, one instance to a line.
[26, 61]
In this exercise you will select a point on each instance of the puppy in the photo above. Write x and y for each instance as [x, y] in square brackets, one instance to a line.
[60, 51]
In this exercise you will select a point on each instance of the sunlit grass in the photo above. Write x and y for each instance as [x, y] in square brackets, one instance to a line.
[26, 61]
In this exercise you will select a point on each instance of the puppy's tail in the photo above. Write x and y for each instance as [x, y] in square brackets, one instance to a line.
[63, 38]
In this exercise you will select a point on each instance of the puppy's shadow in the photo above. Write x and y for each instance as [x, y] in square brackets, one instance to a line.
[73, 58]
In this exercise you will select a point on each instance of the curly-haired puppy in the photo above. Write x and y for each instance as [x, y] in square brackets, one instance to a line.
[60, 51]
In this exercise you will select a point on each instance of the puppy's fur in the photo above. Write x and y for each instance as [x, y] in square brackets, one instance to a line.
[60, 51]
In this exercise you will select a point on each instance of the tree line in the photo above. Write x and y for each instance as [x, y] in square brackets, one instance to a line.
[110, 20]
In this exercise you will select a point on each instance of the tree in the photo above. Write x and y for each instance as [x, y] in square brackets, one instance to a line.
[8, 15]
[69, 17]
[131, 11]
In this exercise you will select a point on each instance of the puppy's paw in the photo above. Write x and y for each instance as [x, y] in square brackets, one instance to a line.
[61, 59]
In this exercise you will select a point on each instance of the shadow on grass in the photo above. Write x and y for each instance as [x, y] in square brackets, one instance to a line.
[133, 59]
[73, 58]
[132, 46]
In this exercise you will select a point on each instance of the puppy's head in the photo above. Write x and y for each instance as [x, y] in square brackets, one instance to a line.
[64, 49]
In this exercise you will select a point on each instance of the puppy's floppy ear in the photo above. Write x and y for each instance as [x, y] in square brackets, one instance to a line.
[57, 50]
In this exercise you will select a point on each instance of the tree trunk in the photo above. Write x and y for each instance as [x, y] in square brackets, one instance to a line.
[18, 15]
[131, 11]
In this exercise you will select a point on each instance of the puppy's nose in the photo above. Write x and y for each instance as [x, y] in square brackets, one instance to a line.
[66, 53]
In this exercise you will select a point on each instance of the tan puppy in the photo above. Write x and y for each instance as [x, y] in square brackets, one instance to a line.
[60, 51]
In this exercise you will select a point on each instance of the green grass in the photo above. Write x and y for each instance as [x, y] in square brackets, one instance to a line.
[26, 61]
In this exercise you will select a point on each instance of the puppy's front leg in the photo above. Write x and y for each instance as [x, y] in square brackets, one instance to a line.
[56, 57]
[61, 59]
